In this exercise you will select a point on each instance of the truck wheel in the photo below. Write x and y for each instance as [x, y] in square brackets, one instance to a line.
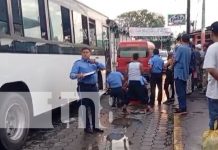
[14, 120]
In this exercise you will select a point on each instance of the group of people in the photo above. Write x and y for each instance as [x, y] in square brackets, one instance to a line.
[177, 70]
[182, 65]
[186, 69]
[134, 87]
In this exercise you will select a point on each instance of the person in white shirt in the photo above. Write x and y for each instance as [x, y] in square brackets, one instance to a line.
[135, 88]
[211, 65]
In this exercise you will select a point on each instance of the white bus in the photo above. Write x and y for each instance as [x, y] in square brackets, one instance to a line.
[39, 42]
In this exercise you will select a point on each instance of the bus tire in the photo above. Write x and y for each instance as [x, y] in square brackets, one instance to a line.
[14, 120]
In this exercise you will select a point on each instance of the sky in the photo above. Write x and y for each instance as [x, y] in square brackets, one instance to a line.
[113, 8]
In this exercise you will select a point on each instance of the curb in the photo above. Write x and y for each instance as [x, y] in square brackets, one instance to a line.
[177, 134]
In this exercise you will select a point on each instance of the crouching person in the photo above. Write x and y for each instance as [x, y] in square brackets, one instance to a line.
[115, 83]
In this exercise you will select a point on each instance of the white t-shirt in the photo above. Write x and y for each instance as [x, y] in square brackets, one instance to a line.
[134, 72]
[211, 61]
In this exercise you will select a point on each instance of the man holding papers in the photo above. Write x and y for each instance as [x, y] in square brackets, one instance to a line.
[85, 71]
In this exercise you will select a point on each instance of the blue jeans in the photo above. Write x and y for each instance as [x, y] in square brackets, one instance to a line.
[181, 93]
[213, 111]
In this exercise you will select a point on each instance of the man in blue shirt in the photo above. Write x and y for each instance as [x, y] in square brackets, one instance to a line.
[181, 71]
[156, 65]
[115, 81]
[85, 71]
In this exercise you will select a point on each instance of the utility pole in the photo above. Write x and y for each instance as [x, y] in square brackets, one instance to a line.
[188, 16]
[203, 24]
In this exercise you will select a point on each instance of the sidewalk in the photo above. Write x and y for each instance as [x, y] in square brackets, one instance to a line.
[124, 132]
[188, 129]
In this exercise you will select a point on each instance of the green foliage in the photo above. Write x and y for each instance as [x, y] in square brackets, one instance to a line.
[140, 18]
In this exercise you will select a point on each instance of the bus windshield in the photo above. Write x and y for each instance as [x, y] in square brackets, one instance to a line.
[129, 51]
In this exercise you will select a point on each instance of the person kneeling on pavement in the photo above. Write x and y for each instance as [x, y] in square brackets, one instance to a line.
[115, 83]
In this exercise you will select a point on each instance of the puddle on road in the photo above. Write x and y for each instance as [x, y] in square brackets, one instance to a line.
[126, 122]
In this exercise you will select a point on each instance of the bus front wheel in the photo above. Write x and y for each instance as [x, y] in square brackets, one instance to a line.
[14, 120]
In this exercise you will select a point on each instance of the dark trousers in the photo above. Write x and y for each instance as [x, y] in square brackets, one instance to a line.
[181, 93]
[136, 91]
[169, 81]
[120, 94]
[194, 83]
[156, 80]
[213, 112]
[88, 103]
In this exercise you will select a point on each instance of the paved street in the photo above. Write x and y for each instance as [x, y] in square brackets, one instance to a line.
[126, 132]
[188, 129]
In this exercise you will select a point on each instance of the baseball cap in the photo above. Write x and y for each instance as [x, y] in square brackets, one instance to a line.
[214, 27]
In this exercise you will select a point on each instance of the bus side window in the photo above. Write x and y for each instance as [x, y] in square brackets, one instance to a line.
[3, 17]
[92, 32]
[66, 24]
[17, 17]
[85, 30]
[44, 32]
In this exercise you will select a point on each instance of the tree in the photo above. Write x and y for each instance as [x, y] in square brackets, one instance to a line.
[140, 18]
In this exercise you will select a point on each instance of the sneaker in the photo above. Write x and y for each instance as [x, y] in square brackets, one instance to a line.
[189, 93]
[97, 130]
[172, 98]
[167, 102]
[180, 112]
[88, 131]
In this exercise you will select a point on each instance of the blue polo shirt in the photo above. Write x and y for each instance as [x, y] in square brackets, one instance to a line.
[182, 62]
[114, 79]
[156, 64]
[85, 66]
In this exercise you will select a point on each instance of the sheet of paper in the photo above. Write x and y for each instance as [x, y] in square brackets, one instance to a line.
[89, 73]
